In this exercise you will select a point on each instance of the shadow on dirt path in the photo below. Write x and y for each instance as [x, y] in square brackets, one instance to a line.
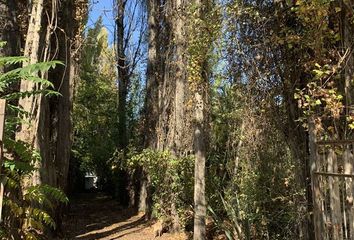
[97, 216]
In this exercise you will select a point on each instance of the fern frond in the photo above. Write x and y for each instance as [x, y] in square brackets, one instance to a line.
[15, 209]
[24, 167]
[35, 194]
[11, 183]
[40, 215]
[30, 236]
[39, 67]
[33, 223]
[54, 193]
[12, 60]
[25, 94]
[44, 82]
[24, 150]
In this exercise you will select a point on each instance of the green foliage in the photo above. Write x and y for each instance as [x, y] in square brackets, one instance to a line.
[171, 179]
[31, 209]
[95, 114]
[26, 208]
[95, 106]
[258, 197]
[203, 30]
[27, 73]
[252, 191]
[322, 63]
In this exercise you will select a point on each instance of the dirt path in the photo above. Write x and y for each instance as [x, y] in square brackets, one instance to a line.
[96, 216]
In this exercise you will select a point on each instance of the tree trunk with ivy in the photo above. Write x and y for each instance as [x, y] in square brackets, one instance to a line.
[49, 124]
[199, 47]
[151, 102]
[173, 126]
[71, 18]
[167, 125]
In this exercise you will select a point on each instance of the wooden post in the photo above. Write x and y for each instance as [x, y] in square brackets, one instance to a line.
[316, 193]
[336, 213]
[348, 169]
[2, 128]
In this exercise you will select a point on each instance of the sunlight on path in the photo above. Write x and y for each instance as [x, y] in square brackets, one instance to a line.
[96, 216]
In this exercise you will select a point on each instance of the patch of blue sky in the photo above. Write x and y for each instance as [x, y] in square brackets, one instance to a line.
[104, 9]
[135, 27]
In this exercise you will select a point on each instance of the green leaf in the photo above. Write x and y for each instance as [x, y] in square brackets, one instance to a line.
[228, 235]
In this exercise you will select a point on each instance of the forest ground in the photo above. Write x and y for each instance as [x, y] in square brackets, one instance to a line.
[97, 216]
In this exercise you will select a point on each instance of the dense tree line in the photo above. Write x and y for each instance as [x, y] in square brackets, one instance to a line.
[207, 115]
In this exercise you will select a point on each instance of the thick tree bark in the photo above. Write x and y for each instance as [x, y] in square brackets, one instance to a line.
[65, 85]
[173, 128]
[56, 127]
[32, 104]
[314, 166]
[167, 126]
[123, 77]
[152, 84]
[347, 32]
[179, 144]
[199, 232]
[151, 101]
[334, 192]
[199, 171]
[49, 131]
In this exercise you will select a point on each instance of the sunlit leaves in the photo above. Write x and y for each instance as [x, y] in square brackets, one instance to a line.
[171, 178]
[202, 32]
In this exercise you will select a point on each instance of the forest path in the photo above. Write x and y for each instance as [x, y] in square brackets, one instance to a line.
[97, 216]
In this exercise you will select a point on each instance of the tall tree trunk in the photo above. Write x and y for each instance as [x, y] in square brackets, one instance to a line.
[49, 131]
[167, 124]
[69, 16]
[32, 104]
[199, 171]
[347, 32]
[296, 134]
[151, 108]
[63, 79]
[123, 78]
[179, 144]
[200, 91]
[123, 83]
[151, 101]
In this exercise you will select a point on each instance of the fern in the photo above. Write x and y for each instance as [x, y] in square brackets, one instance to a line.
[54, 193]
[31, 208]
[39, 215]
[12, 60]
